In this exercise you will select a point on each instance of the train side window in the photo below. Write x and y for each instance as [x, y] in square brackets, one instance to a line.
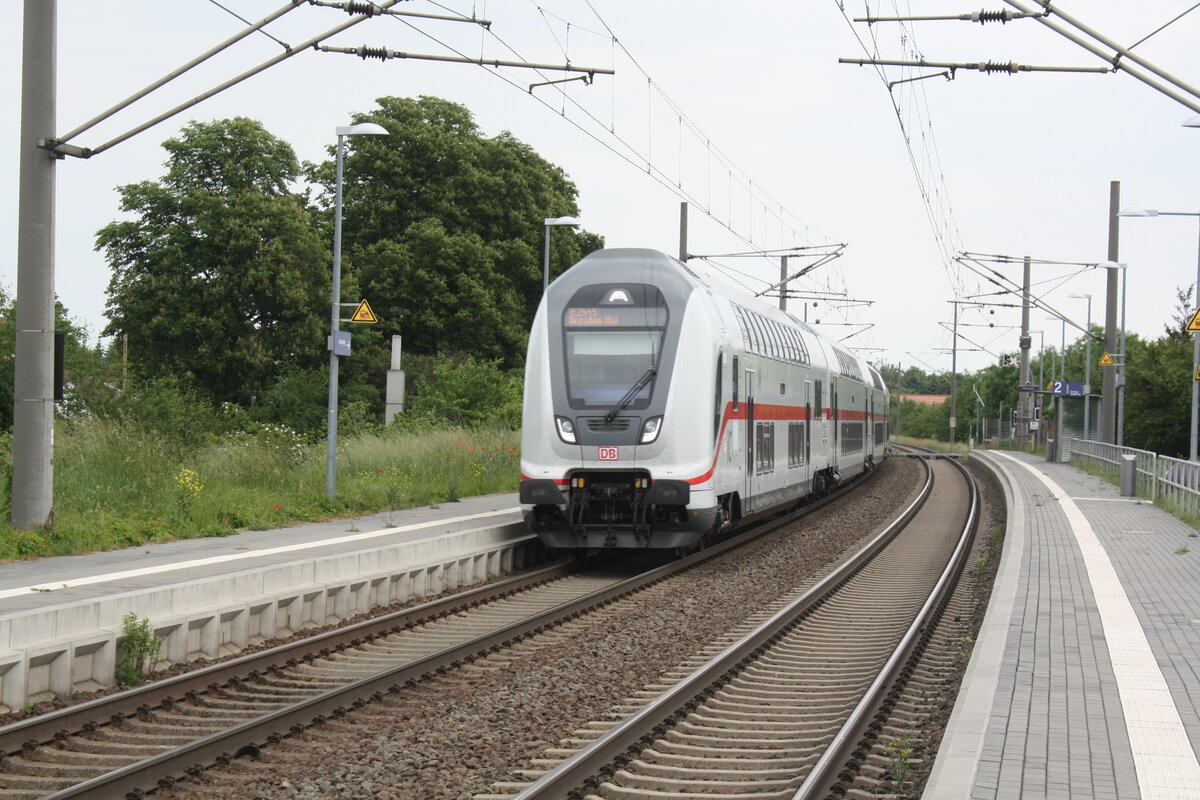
[795, 444]
[734, 376]
[818, 406]
[718, 405]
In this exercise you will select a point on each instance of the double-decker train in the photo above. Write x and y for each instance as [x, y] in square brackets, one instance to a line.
[663, 408]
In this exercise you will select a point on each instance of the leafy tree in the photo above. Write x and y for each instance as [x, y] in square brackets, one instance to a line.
[85, 378]
[443, 230]
[1158, 395]
[465, 391]
[218, 278]
[1183, 314]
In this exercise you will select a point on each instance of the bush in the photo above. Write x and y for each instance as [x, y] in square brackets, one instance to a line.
[465, 393]
[139, 650]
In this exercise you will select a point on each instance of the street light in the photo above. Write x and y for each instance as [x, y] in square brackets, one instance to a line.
[342, 132]
[1154, 212]
[1062, 357]
[1087, 366]
[1062, 377]
[551, 221]
[1041, 373]
[1194, 122]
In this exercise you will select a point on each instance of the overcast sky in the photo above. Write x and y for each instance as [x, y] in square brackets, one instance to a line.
[741, 108]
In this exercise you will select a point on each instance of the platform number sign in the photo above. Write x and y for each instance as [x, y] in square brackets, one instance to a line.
[608, 454]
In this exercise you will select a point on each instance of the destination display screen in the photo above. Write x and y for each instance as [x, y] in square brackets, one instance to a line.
[615, 316]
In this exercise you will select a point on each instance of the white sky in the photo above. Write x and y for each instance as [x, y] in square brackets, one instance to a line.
[1012, 164]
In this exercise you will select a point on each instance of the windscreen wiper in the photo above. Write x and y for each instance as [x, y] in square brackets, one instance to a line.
[628, 398]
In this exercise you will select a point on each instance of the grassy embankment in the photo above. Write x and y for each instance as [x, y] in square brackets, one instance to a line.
[116, 487]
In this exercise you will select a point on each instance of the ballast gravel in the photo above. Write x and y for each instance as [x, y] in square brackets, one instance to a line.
[456, 735]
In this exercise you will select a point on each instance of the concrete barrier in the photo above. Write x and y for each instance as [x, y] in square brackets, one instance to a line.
[62, 649]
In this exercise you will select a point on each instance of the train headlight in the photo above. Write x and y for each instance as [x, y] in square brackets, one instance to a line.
[566, 429]
[650, 429]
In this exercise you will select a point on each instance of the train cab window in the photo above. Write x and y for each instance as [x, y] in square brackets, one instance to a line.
[613, 336]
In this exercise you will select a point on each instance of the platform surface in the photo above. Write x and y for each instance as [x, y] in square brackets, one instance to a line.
[36, 583]
[1083, 680]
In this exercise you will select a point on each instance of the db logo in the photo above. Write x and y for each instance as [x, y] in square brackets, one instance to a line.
[608, 453]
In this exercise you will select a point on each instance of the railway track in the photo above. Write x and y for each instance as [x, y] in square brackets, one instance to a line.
[790, 707]
[145, 739]
[107, 747]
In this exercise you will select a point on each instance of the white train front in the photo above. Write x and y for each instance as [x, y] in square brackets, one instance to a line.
[661, 410]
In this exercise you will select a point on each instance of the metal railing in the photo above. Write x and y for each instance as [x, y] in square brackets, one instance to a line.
[1107, 457]
[1178, 484]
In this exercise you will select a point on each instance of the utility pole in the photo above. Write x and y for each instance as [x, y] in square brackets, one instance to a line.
[783, 283]
[1108, 401]
[33, 381]
[954, 377]
[1025, 401]
[683, 215]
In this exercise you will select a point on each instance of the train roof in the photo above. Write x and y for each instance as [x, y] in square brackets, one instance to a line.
[667, 272]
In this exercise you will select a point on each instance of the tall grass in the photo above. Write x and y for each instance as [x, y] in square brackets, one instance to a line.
[117, 485]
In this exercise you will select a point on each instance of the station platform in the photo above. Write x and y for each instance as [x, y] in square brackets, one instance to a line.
[60, 618]
[1083, 679]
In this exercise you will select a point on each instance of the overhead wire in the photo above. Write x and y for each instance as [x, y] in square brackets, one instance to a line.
[927, 170]
[628, 152]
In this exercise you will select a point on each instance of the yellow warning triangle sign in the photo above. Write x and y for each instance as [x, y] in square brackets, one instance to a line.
[1106, 360]
[1198, 372]
[364, 313]
[1193, 325]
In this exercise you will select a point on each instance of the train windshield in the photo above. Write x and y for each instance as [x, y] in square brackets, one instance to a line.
[613, 334]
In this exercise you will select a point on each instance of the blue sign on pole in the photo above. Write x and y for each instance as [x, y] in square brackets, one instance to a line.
[1067, 389]
[340, 344]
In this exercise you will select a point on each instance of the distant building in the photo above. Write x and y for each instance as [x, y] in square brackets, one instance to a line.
[926, 399]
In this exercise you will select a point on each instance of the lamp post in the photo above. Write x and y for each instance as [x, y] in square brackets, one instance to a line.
[1087, 366]
[1041, 379]
[1154, 212]
[551, 221]
[1062, 349]
[331, 439]
[1062, 377]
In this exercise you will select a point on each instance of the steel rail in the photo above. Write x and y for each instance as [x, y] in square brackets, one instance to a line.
[162, 769]
[652, 719]
[828, 770]
[47, 727]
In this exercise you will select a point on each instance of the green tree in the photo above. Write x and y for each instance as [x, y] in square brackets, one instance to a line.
[465, 391]
[86, 380]
[1158, 396]
[218, 277]
[443, 229]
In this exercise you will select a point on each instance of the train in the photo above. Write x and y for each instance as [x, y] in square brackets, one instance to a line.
[664, 407]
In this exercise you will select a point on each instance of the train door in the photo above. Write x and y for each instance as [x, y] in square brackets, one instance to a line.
[751, 455]
[834, 446]
[806, 432]
[869, 426]
[817, 424]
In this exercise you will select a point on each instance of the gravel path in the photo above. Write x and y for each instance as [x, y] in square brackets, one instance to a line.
[454, 736]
